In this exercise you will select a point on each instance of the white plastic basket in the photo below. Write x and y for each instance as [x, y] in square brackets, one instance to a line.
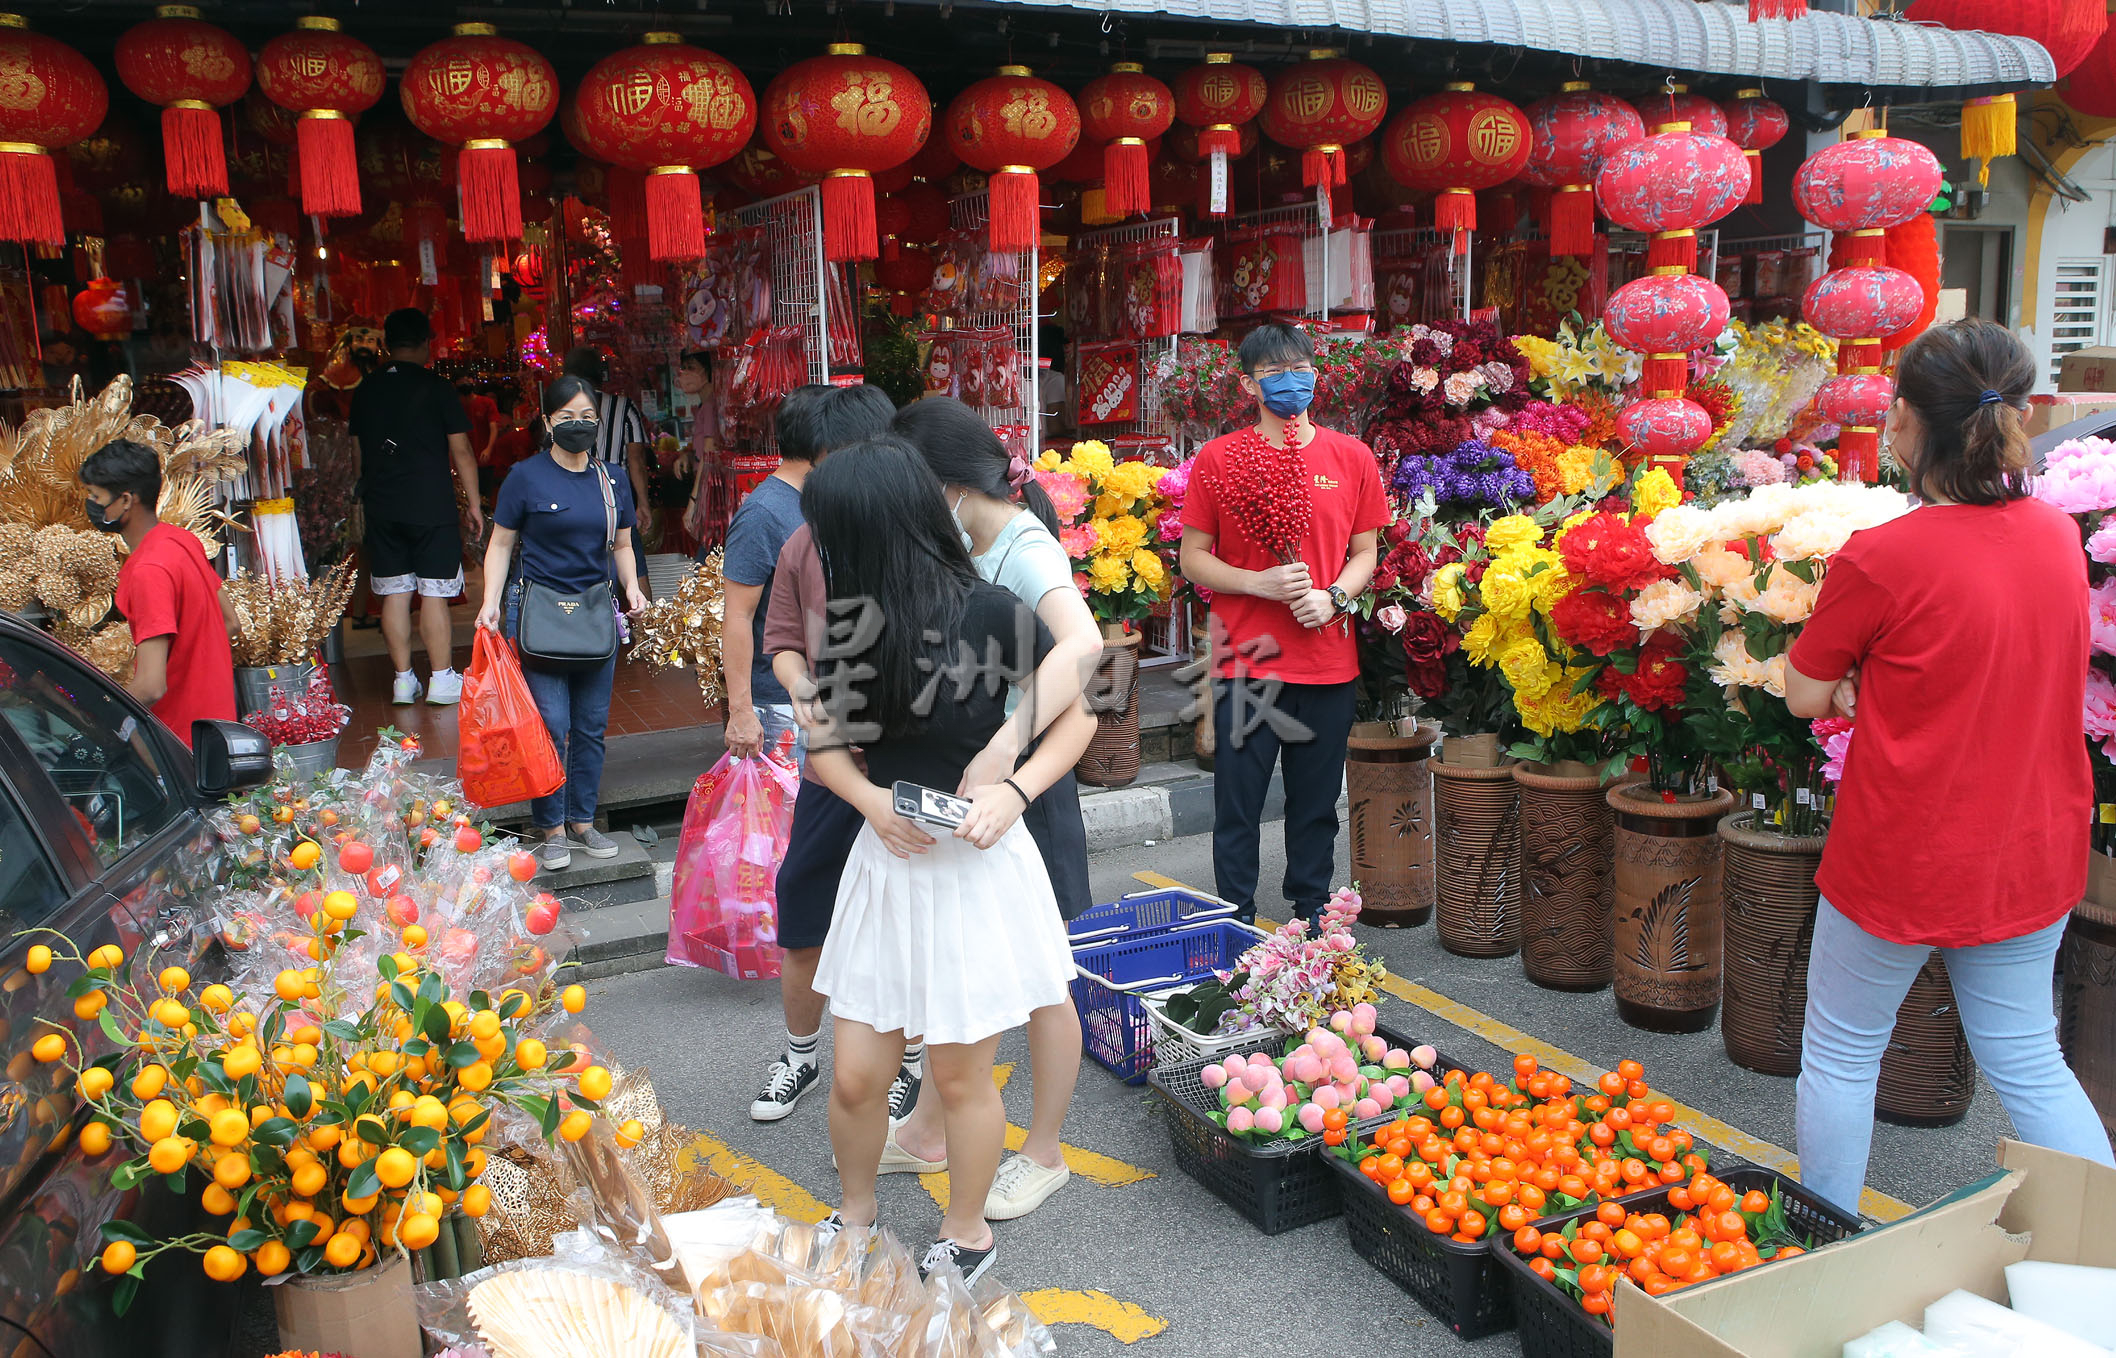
[1174, 1044]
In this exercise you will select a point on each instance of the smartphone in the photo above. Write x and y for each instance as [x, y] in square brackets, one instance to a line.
[928, 807]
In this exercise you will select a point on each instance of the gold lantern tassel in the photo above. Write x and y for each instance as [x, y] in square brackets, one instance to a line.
[1988, 132]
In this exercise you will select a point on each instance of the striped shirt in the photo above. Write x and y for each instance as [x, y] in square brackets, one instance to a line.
[619, 425]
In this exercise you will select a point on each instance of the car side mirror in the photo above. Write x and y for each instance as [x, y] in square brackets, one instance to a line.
[228, 757]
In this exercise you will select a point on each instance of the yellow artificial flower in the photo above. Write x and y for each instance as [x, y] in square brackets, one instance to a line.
[1540, 353]
[1574, 366]
[1527, 668]
[1109, 506]
[1051, 460]
[1515, 530]
[1149, 568]
[1504, 593]
[1092, 458]
[1121, 533]
[1480, 644]
[1108, 574]
[1132, 480]
[1576, 469]
[1654, 492]
[1447, 590]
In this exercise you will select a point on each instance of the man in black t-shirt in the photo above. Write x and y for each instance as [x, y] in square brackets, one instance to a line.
[410, 432]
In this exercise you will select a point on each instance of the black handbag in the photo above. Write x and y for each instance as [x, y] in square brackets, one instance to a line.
[572, 631]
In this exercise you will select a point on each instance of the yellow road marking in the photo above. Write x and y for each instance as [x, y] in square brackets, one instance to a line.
[1725, 1135]
[1090, 1165]
[1119, 1319]
[771, 1188]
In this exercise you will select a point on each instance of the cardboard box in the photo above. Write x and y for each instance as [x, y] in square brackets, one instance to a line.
[2044, 1206]
[2052, 412]
[369, 1314]
[2090, 369]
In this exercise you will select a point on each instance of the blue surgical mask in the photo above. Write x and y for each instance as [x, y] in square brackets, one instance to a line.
[1287, 394]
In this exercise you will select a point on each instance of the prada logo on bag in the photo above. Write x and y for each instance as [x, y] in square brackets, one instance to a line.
[568, 606]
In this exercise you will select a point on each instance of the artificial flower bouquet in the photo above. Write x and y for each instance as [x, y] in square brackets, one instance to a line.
[2079, 478]
[1199, 387]
[1108, 515]
[1774, 369]
[1712, 477]
[1289, 981]
[1459, 381]
[1410, 657]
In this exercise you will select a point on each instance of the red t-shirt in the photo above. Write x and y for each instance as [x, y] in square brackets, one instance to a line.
[1345, 481]
[166, 589]
[1963, 814]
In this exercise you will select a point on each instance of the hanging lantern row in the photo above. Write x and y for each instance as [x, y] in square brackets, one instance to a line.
[1219, 100]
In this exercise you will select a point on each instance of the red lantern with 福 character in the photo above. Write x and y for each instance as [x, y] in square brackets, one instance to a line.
[666, 110]
[1121, 112]
[1570, 134]
[1321, 106]
[1010, 126]
[1865, 185]
[1755, 124]
[1670, 184]
[54, 98]
[191, 69]
[328, 78]
[1664, 316]
[1454, 144]
[1217, 103]
[482, 93]
[845, 115]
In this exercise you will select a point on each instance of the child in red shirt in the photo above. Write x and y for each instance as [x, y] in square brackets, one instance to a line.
[1285, 657]
[182, 666]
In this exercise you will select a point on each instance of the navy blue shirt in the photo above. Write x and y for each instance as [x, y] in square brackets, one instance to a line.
[561, 519]
[763, 522]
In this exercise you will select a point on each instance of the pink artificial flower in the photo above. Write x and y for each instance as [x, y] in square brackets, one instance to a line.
[2101, 615]
[1079, 541]
[1068, 493]
[2101, 706]
[1834, 734]
[1391, 617]
[2080, 477]
[2102, 546]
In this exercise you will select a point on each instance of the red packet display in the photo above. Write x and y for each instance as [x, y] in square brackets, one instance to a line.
[1109, 384]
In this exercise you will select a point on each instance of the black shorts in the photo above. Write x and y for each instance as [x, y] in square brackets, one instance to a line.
[824, 826]
[403, 557]
[1061, 838]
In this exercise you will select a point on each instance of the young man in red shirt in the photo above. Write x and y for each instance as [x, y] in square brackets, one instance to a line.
[183, 667]
[1282, 522]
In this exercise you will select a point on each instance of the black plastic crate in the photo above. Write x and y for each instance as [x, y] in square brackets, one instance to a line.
[1457, 1282]
[1552, 1323]
[1278, 1185]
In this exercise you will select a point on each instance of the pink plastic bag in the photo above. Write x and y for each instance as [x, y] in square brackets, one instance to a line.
[723, 904]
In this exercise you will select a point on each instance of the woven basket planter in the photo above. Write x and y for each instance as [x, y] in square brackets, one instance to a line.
[1389, 784]
[1477, 824]
[2086, 1011]
[1566, 850]
[1770, 924]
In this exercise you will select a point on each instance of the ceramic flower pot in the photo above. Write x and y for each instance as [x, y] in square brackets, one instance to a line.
[1667, 909]
[1390, 787]
[1770, 922]
[1928, 1076]
[1566, 848]
[1477, 828]
[1112, 757]
[2086, 1011]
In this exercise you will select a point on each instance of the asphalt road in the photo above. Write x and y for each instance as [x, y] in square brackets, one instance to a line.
[1183, 1276]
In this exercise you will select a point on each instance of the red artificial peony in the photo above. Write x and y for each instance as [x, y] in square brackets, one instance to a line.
[1427, 643]
[1410, 564]
[1594, 621]
[1609, 551]
[1657, 684]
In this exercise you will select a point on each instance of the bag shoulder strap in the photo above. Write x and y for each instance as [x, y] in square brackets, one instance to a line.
[609, 508]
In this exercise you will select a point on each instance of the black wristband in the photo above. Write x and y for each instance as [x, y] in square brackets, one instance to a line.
[1026, 800]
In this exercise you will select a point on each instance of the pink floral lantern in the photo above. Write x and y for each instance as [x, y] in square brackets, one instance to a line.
[1664, 316]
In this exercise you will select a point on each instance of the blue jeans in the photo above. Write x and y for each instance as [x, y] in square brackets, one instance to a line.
[1262, 731]
[1855, 985]
[576, 710]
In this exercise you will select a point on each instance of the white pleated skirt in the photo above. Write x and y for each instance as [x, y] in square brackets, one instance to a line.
[952, 945]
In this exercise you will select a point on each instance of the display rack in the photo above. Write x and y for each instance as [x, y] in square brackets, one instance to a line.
[800, 276]
[1297, 219]
[970, 212]
[1151, 351]
[1402, 242]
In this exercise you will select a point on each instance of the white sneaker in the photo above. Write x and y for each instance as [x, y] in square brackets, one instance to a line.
[1021, 1186]
[445, 690]
[404, 690]
[897, 1160]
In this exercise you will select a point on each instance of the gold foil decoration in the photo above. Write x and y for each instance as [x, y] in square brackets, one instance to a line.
[282, 622]
[683, 631]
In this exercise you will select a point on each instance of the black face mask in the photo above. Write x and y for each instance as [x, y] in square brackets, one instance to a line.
[575, 436]
[94, 512]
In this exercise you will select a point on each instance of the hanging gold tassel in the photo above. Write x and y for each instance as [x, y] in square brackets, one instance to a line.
[1988, 132]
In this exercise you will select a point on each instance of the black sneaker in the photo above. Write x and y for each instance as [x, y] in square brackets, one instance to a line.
[955, 1254]
[903, 1093]
[783, 1087]
[832, 1226]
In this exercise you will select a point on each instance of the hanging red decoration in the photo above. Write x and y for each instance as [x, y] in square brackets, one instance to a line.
[1755, 124]
[103, 309]
[934, 162]
[482, 93]
[1570, 135]
[1866, 185]
[1863, 302]
[756, 170]
[1083, 166]
[1010, 126]
[928, 213]
[1914, 247]
[1664, 316]
[1670, 184]
[1776, 9]
[328, 78]
[1217, 103]
[1665, 430]
[1121, 112]
[845, 115]
[1454, 144]
[1321, 106]
[55, 99]
[191, 69]
[527, 271]
[1858, 404]
[665, 110]
[2091, 88]
[1678, 105]
[2067, 29]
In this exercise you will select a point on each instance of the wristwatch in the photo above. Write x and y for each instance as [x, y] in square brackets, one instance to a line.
[1340, 600]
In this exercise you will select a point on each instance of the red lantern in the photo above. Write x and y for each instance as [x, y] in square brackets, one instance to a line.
[1121, 112]
[1678, 105]
[1864, 186]
[190, 68]
[1665, 430]
[1664, 316]
[55, 98]
[934, 162]
[1570, 135]
[1863, 302]
[1083, 166]
[1670, 184]
[666, 110]
[103, 309]
[327, 78]
[482, 93]
[527, 271]
[845, 115]
[927, 211]
[2067, 29]
[2091, 88]
[1010, 126]
[1217, 102]
[1858, 404]
[1321, 106]
[756, 170]
[1453, 144]
[1755, 124]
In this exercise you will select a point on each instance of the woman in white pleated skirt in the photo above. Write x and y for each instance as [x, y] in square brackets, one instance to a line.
[953, 935]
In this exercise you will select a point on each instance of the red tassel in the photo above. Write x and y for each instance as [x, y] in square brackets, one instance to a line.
[29, 199]
[1124, 177]
[330, 169]
[1016, 209]
[1571, 225]
[628, 203]
[1665, 374]
[892, 248]
[491, 191]
[1321, 165]
[848, 217]
[1914, 247]
[1455, 210]
[1224, 138]
[1776, 9]
[676, 215]
[1671, 248]
[1755, 193]
[1859, 453]
[198, 166]
[1862, 249]
[903, 304]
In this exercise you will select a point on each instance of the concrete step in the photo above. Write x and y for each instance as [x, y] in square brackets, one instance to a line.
[597, 883]
[621, 938]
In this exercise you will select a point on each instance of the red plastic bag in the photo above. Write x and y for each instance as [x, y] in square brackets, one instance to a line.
[723, 902]
[503, 749]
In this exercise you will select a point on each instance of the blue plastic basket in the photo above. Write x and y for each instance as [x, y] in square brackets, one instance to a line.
[1114, 979]
[1144, 911]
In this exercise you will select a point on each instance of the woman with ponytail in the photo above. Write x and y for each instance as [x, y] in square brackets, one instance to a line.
[1010, 528]
[1956, 637]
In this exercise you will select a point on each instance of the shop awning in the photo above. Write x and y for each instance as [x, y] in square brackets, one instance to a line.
[1884, 55]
